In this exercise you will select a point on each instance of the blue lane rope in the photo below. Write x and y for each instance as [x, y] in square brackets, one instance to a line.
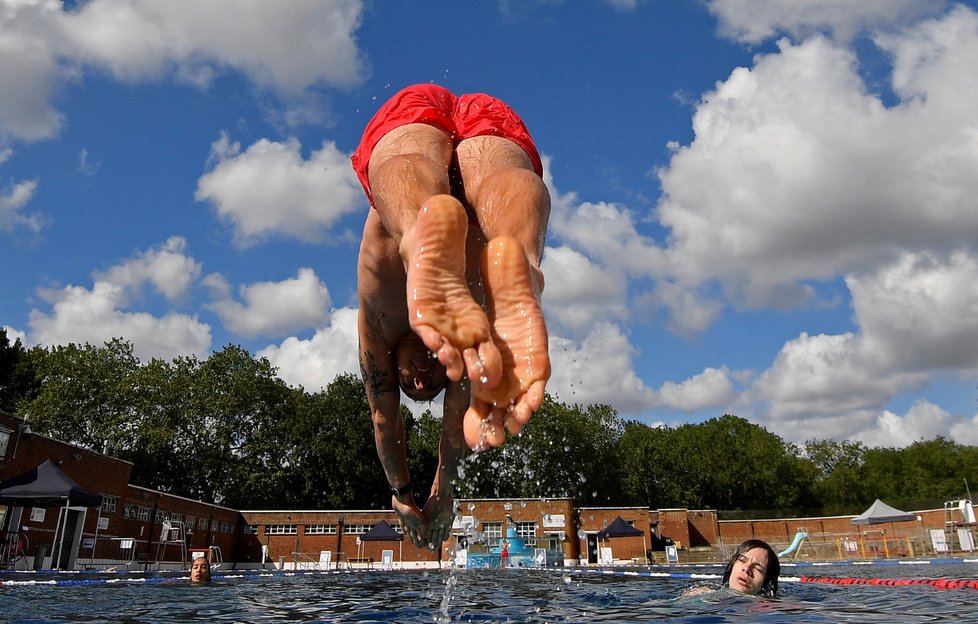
[168, 578]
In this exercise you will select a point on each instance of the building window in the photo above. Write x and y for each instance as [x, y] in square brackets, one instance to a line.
[109, 503]
[142, 514]
[320, 529]
[526, 530]
[174, 518]
[356, 529]
[226, 527]
[191, 523]
[280, 529]
[160, 515]
[4, 441]
[492, 530]
[204, 523]
[129, 511]
[251, 529]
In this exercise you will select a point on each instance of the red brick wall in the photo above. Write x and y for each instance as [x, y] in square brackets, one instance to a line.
[109, 477]
[594, 519]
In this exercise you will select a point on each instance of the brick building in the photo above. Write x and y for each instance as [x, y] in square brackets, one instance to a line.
[126, 528]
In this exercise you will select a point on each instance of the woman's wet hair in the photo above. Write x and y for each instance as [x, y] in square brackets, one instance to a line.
[771, 573]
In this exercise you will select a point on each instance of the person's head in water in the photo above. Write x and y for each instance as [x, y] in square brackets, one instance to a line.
[753, 569]
[200, 571]
[419, 372]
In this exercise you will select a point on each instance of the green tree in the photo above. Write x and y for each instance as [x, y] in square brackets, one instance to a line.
[562, 451]
[17, 377]
[237, 406]
[85, 393]
[329, 451]
[839, 486]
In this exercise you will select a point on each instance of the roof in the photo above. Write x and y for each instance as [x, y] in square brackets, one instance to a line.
[880, 512]
[619, 528]
[381, 532]
[46, 486]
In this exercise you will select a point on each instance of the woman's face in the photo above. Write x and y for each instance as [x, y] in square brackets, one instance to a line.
[749, 571]
[199, 571]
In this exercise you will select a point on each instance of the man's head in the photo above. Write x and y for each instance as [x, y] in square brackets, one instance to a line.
[419, 372]
[200, 571]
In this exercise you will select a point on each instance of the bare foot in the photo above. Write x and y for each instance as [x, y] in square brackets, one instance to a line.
[520, 334]
[441, 309]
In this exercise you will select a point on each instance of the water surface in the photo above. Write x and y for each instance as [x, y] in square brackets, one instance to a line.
[489, 596]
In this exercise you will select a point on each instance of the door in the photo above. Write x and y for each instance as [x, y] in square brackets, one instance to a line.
[68, 537]
[592, 547]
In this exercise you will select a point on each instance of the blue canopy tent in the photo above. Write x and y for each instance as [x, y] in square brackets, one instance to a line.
[620, 528]
[382, 532]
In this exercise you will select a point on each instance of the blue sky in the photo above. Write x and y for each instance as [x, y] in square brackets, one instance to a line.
[761, 207]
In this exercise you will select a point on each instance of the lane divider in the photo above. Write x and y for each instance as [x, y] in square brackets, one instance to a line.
[938, 583]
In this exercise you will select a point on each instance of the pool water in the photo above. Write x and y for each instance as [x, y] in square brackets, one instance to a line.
[511, 595]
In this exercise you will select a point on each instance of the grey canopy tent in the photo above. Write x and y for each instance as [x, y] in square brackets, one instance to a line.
[879, 512]
[382, 532]
[620, 528]
[47, 486]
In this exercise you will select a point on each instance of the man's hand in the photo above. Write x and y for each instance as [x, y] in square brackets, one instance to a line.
[412, 519]
[439, 512]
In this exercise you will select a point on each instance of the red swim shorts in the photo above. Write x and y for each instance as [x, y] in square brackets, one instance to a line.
[463, 117]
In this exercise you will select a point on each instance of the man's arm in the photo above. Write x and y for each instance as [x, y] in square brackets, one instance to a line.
[439, 511]
[383, 396]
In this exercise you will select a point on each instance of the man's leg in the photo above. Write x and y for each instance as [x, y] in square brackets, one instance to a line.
[512, 205]
[409, 182]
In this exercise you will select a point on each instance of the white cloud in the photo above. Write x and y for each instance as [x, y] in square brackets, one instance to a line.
[579, 293]
[920, 313]
[818, 178]
[753, 21]
[599, 369]
[95, 316]
[710, 389]
[13, 199]
[166, 267]
[690, 312]
[287, 47]
[271, 190]
[824, 375]
[916, 317]
[315, 362]
[85, 167]
[607, 234]
[13, 335]
[80, 315]
[272, 308]
[923, 421]
[284, 47]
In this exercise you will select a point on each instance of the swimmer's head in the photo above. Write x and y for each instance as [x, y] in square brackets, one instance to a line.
[753, 569]
[419, 373]
[200, 571]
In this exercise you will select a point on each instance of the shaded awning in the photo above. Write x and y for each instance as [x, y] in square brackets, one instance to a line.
[381, 532]
[879, 512]
[619, 528]
[46, 486]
